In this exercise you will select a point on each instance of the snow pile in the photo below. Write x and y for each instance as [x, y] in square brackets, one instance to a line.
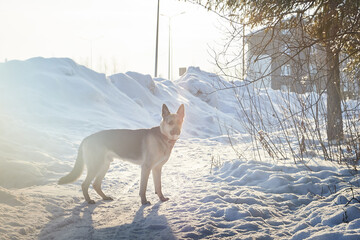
[198, 84]
[287, 202]
[47, 106]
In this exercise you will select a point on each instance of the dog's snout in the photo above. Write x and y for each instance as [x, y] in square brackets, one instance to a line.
[175, 131]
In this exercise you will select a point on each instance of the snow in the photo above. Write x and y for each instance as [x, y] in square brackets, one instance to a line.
[47, 106]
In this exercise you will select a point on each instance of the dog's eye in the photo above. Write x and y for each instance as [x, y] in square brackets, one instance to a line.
[171, 122]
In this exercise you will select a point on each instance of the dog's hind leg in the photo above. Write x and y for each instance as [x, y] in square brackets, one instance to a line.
[99, 177]
[85, 185]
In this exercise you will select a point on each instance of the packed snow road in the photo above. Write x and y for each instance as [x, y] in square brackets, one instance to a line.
[185, 181]
[241, 200]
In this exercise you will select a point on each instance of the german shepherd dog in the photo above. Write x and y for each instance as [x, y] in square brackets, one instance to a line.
[149, 148]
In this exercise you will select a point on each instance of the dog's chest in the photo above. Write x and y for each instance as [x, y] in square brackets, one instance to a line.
[165, 150]
[162, 152]
[163, 158]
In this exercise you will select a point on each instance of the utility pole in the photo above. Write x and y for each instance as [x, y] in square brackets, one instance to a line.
[91, 40]
[169, 58]
[170, 45]
[243, 53]
[157, 39]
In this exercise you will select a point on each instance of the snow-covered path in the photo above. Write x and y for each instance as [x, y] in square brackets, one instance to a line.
[185, 181]
[241, 200]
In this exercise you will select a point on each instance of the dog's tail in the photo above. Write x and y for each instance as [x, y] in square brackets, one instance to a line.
[77, 170]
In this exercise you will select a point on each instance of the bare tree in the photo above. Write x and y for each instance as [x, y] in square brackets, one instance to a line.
[299, 47]
[334, 24]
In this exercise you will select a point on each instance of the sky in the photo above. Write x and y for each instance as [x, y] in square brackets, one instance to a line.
[110, 36]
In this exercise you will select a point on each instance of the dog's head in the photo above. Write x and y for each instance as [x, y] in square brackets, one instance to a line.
[171, 123]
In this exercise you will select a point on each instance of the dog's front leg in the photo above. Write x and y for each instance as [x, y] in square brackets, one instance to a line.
[145, 172]
[157, 182]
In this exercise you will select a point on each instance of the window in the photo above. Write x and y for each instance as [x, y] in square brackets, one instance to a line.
[285, 70]
[312, 69]
[285, 31]
[313, 50]
[286, 50]
[284, 88]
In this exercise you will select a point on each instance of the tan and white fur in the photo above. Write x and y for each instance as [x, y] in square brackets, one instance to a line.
[149, 148]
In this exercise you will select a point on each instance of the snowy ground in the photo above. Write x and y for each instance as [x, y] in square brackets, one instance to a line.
[48, 105]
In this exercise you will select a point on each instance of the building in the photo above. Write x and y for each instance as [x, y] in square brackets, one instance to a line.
[287, 59]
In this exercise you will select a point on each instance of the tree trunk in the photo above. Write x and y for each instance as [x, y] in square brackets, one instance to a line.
[334, 113]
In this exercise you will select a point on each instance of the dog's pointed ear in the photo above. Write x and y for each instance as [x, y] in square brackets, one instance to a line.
[181, 111]
[165, 111]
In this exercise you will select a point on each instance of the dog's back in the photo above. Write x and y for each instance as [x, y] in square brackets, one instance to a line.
[125, 143]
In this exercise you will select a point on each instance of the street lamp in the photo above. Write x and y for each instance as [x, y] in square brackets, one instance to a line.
[91, 40]
[169, 58]
[243, 46]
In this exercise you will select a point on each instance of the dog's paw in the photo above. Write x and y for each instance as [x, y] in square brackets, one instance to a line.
[91, 202]
[146, 203]
[164, 199]
[108, 198]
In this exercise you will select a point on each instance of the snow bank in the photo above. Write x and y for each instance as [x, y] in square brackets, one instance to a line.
[264, 200]
[49, 105]
[201, 85]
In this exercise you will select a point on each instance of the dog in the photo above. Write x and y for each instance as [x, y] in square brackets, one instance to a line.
[149, 148]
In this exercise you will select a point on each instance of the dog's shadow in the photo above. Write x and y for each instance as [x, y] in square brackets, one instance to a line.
[79, 225]
[147, 224]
